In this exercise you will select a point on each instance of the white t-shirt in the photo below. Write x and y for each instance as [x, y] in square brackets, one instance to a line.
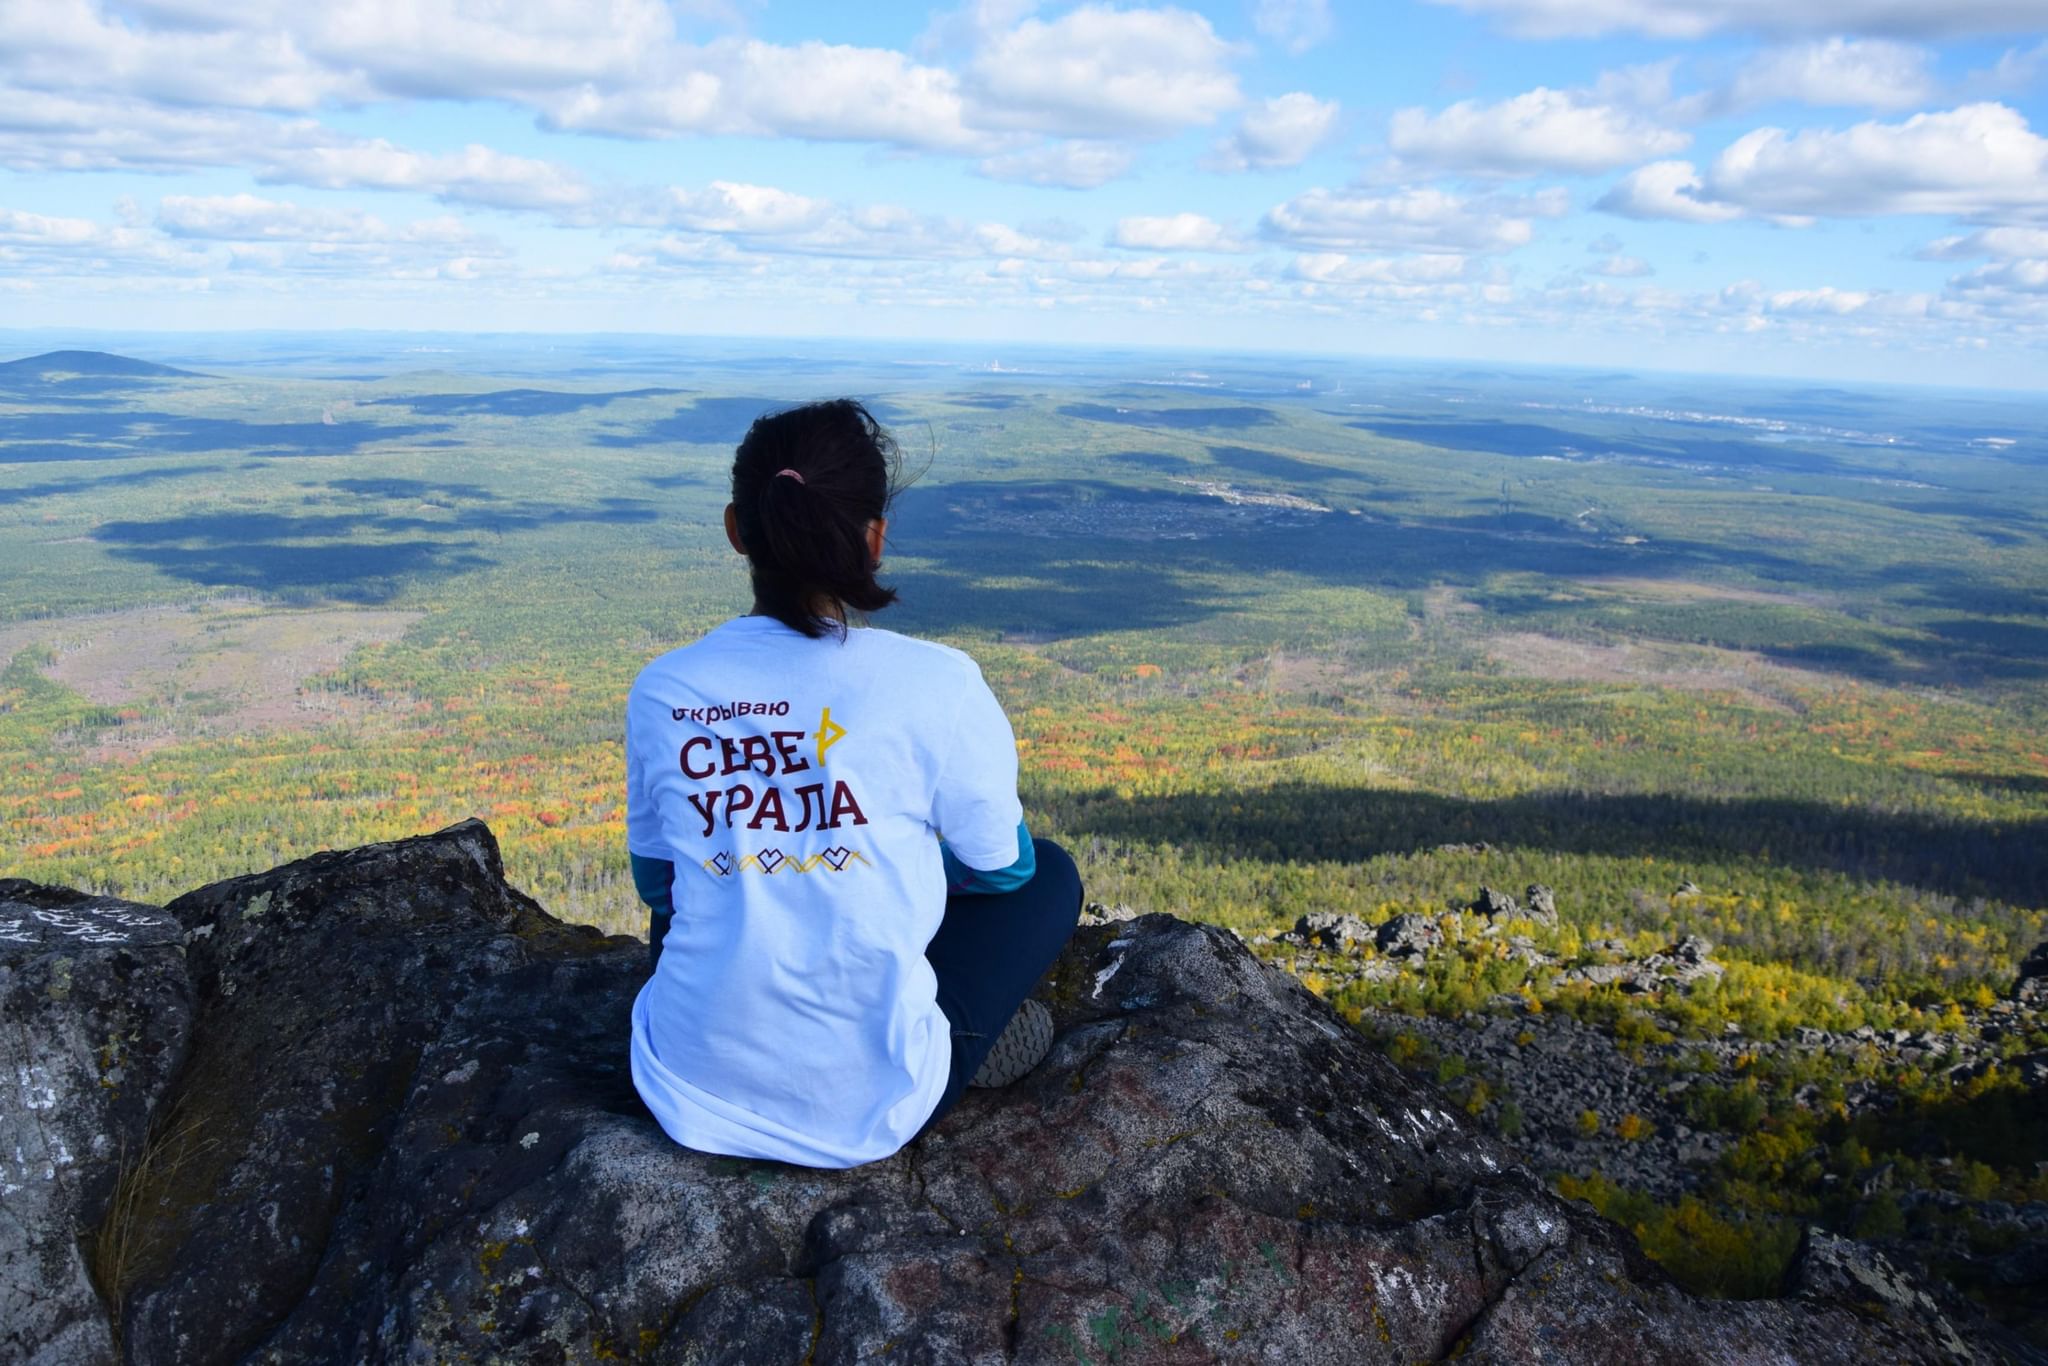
[797, 785]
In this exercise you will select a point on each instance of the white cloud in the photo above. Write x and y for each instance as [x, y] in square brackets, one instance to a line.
[251, 218]
[1275, 133]
[469, 48]
[1337, 268]
[2016, 277]
[1981, 159]
[282, 54]
[1826, 299]
[1665, 189]
[1866, 73]
[1296, 25]
[1820, 314]
[822, 91]
[767, 220]
[624, 71]
[1176, 232]
[69, 133]
[1695, 18]
[1417, 284]
[1998, 244]
[2007, 277]
[1148, 268]
[1619, 266]
[60, 46]
[23, 229]
[1543, 130]
[1410, 220]
[198, 237]
[64, 132]
[1079, 165]
[475, 175]
[726, 206]
[1097, 72]
[999, 239]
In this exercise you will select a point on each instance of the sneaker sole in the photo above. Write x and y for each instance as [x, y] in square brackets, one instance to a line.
[1022, 1045]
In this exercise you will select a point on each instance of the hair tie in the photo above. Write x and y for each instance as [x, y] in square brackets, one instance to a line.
[789, 474]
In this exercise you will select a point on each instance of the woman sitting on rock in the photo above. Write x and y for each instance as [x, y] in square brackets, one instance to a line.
[848, 912]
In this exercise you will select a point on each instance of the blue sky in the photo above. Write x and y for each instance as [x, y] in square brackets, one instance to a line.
[1832, 188]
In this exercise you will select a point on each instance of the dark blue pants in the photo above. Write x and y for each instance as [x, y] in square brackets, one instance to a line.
[990, 952]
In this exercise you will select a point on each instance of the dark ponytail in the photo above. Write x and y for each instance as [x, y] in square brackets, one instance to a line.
[805, 485]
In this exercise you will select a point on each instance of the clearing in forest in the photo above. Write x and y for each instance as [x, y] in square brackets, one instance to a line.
[218, 669]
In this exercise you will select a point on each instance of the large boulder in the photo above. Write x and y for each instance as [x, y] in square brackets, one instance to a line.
[405, 1131]
[1836, 1270]
[1409, 935]
[1329, 930]
[96, 1005]
[1491, 903]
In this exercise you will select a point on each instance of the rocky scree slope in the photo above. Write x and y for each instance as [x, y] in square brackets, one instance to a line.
[374, 1106]
[1557, 1068]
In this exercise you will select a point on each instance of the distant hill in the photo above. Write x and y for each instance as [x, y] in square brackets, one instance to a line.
[92, 363]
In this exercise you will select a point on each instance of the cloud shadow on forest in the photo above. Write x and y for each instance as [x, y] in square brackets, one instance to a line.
[1183, 419]
[1269, 465]
[515, 402]
[1076, 582]
[93, 483]
[1069, 582]
[2009, 782]
[706, 422]
[353, 557]
[44, 436]
[1151, 460]
[1306, 822]
[1529, 439]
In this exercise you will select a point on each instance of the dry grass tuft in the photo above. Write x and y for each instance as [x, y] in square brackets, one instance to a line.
[113, 1251]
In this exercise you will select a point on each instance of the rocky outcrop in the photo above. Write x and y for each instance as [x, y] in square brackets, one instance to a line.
[1326, 929]
[1405, 942]
[1542, 907]
[1829, 1270]
[1681, 966]
[97, 1006]
[401, 1128]
[2032, 987]
[1555, 1070]
[1408, 935]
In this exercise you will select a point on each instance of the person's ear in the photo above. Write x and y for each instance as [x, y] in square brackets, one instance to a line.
[732, 529]
[878, 531]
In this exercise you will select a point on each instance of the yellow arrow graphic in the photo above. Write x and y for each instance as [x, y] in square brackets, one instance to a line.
[829, 734]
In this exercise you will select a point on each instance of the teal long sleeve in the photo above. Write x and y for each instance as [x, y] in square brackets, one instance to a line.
[655, 880]
[962, 880]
